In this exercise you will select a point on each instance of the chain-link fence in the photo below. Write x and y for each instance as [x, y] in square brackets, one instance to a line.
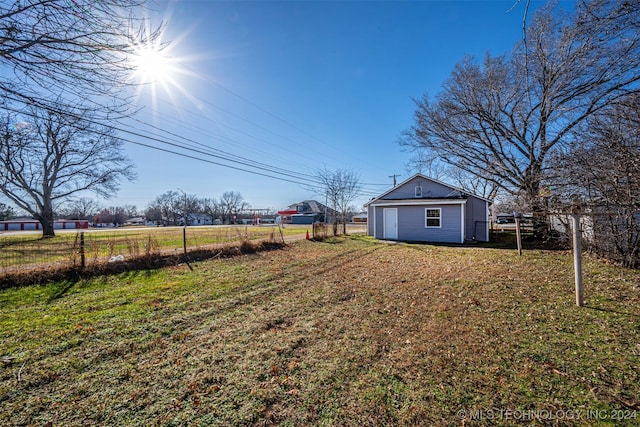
[20, 253]
[322, 230]
[30, 253]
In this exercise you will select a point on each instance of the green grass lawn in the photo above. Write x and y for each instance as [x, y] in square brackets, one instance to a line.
[343, 332]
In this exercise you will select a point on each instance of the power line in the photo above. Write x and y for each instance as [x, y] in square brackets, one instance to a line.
[244, 161]
[274, 168]
[251, 122]
[248, 101]
[225, 154]
[308, 182]
[217, 123]
[280, 173]
[271, 173]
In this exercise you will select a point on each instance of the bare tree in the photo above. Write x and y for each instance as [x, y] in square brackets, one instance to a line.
[82, 208]
[231, 205]
[130, 210]
[211, 207]
[341, 188]
[6, 212]
[167, 208]
[82, 48]
[153, 213]
[116, 215]
[428, 164]
[173, 208]
[51, 156]
[502, 119]
[601, 174]
[190, 205]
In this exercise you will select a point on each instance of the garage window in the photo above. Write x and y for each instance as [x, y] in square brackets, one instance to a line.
[432, 218]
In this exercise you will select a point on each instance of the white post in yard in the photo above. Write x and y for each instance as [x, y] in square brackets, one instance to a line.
[577, 257]
[516, 216]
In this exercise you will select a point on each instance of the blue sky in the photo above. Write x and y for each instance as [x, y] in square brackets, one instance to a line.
[300, 86]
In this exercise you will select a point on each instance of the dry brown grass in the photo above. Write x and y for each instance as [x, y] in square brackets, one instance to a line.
[343, 332]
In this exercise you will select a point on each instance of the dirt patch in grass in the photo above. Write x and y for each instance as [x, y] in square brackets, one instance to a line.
[357, 333]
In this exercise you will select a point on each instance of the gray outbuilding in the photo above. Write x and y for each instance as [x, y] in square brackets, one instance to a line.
[422, 209]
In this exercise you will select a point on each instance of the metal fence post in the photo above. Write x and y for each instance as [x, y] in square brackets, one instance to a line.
[184, 239]
[517, 216]
[82, 257]
[577, 258]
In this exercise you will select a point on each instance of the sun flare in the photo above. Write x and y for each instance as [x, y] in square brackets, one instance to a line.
[152, 65]
[157, 73]
[158, 70]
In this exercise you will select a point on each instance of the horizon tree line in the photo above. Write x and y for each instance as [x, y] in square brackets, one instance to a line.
[169, 208]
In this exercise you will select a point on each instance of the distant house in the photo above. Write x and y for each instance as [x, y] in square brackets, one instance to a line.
[305, 212]
[135, 221]
[361, 217]
[197, 219]
[422, 209]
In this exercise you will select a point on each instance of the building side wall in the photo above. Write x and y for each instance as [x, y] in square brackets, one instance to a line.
[377, 225]
[477, 220]
[370, 222]
[411, 224]
[303, 219]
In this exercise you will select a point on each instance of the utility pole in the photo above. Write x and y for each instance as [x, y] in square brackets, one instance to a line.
[394, 178]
